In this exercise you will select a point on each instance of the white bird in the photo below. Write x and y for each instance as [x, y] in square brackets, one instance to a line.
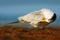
[38, 19]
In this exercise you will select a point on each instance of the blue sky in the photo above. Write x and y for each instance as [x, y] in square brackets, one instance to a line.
[10, 10]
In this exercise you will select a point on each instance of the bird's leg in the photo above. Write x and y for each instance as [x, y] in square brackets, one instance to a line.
[38, 26]
[42, 25]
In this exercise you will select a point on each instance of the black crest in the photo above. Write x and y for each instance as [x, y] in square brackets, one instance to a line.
[54, 17]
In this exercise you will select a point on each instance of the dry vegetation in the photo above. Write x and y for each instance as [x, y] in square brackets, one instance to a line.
[19, 33]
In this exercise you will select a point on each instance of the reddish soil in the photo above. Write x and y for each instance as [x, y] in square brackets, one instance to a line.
[18, 33]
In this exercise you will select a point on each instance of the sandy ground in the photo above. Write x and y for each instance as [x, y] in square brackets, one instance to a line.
[20, 33]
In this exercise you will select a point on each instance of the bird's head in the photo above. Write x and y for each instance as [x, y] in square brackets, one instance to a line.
[49, 15]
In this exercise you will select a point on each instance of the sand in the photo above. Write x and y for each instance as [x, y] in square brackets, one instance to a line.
[20, 33]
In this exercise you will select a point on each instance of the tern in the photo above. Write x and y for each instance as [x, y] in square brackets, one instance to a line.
[38, 19]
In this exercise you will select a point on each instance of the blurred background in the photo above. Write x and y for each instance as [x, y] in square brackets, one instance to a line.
[10, 10]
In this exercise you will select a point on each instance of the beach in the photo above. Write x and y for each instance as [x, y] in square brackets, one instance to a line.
[9, 32]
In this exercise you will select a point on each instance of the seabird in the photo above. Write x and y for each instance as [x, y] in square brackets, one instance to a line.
[38, 19]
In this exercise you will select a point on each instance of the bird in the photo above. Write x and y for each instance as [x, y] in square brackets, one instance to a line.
[38, 19]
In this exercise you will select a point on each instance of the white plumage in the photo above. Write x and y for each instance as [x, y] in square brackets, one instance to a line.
[36, 17]
[33, 17]
[47, 13]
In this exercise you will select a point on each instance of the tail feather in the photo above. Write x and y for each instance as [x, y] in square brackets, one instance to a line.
[13, 22]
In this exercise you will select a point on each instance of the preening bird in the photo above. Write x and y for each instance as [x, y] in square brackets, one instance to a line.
[40, 18]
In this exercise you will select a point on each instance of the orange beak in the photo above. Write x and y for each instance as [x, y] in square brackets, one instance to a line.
[43, 20]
